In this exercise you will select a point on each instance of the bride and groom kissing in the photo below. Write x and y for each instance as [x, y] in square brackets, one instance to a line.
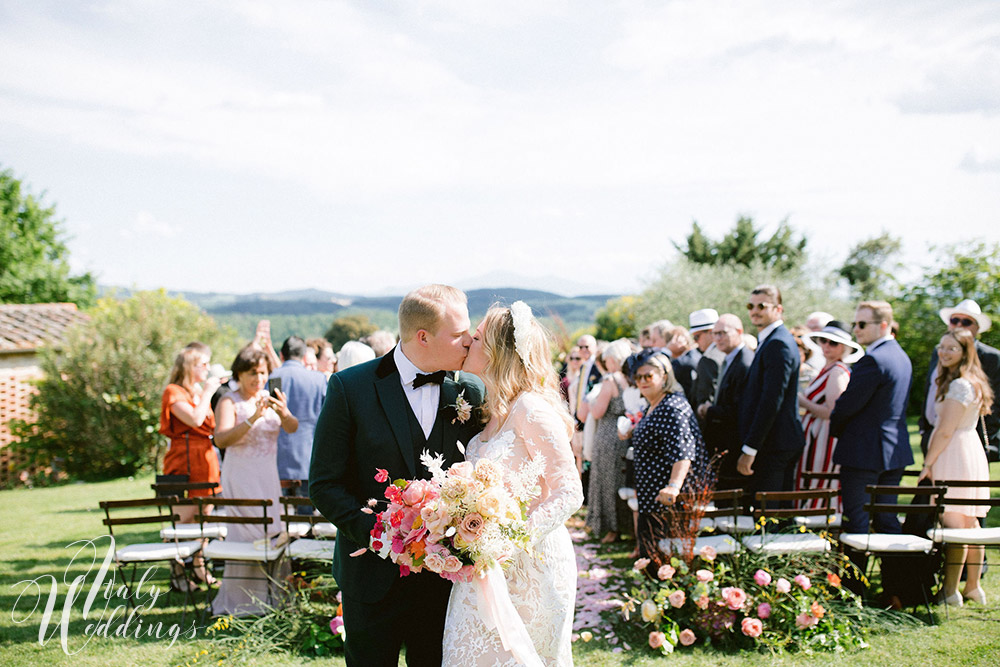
[384, 414]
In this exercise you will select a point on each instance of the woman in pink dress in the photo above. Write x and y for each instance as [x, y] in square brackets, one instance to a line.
[818, 400]
[955, 452]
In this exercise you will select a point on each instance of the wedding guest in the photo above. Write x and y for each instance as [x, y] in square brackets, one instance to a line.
[669, 451]
[818, 400]
[969, 316]
[572, 380]
[326, 360]
[707, 370]
[963, 395]
[685, 356]
[248, 421]
[186, 418]
[380, 342]
[353, 353]
[806, 371]
[815, 322]
[607, 514]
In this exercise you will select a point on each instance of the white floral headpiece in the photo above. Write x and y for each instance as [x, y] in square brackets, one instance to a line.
[520, 313]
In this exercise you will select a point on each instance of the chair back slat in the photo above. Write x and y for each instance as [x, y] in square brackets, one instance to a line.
[152, 518]
[181, 488]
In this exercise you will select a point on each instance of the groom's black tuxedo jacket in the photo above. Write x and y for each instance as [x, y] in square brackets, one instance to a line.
[367, 423]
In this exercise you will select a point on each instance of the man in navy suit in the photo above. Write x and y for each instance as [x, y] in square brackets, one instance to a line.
[383, 414]
[305, 390]
[769, 412]
[869, 419]
[721, 413]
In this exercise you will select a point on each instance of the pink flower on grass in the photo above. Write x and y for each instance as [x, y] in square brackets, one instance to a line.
[337, 625]
[804, 620]
[783, 585]
[381, 476]
[641, 564]
[687, 637]
[677, 599]
[763, 610]
[752, 627]
[803, 581]
[704, 575]
[708, 553]
[735, 597]
[657, 639]
[762, 578]
[665, 572]
[702, 602]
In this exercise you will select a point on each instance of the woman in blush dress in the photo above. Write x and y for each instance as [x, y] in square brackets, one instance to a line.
[955, 452]
[527, 421]
[247, 424]
[818, 399]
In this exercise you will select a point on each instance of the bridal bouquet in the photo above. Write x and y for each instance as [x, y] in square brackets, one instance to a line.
[463, 520]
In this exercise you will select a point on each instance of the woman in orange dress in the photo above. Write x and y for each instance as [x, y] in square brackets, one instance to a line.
[186, 418]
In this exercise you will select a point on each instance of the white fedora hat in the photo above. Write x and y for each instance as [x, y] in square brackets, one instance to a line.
[970, 308]
[702, 319]
[837, 331]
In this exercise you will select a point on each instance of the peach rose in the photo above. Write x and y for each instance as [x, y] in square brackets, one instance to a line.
[657, 639]
[472, 526]
[665, 572]
[687, 637]
[419, 491]
[677, 599]
[752, 627]
[462, 469]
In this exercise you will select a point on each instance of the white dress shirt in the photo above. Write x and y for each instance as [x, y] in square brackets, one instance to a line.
[424, 399]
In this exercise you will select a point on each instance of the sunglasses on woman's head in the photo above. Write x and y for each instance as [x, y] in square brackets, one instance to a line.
[961, 321]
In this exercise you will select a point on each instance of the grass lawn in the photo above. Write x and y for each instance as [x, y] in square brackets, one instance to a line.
[37, 527]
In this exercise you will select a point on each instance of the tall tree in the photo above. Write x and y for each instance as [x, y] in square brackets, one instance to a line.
[743, 245]
[869, 267]
[33, 256]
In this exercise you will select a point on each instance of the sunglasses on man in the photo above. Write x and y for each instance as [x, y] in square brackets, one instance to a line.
[957, 321]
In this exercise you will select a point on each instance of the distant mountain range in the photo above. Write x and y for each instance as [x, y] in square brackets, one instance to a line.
[314, 302]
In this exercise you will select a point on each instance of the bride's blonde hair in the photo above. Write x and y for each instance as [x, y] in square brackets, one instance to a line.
[507, 374]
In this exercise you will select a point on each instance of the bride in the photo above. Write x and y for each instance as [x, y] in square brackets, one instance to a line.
[527, 421]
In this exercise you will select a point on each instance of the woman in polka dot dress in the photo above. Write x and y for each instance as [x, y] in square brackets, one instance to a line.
[670, 453]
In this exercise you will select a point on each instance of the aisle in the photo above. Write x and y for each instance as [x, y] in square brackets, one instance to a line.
[597, 591]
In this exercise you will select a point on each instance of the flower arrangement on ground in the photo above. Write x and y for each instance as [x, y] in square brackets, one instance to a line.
[461, 521]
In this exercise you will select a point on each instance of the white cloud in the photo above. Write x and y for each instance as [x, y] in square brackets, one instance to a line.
[147, 227]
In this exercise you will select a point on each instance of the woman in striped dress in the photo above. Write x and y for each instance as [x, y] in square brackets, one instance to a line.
[818, 401]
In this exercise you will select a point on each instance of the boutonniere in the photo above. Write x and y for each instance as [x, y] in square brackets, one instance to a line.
[461, 407]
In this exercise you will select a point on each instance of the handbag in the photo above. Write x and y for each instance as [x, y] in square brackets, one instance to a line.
[177, 479]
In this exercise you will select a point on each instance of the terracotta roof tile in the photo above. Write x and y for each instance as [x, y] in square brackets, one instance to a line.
[25, 327]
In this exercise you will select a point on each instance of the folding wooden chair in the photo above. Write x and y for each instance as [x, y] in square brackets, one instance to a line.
[260, 552]
[821, 522]
[132, 555]
[782, 506]
[179, 491]
[300, 526]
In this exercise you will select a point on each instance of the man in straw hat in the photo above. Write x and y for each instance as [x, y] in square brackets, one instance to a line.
[966, 315]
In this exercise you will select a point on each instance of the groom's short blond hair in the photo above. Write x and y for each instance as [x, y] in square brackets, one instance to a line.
[424, 307]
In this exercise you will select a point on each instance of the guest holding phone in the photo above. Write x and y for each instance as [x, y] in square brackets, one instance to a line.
[247, 424]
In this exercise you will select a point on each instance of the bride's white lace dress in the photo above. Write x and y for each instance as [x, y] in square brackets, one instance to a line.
[542, 586]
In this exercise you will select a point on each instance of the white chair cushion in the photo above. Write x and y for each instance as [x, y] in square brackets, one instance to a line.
[229, 550]
[153, 551]
[325, 529]
[985, 536]
[739, 524]
[723, 544]
[887, 543]
[298, 529]
[315, 549]
[821, 521]
[786, 543]
[193, 531]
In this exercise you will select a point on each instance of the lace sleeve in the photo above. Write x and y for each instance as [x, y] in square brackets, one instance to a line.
[961, 390]
[545, 434]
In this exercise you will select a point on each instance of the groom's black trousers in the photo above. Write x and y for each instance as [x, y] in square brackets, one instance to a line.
[412, 614]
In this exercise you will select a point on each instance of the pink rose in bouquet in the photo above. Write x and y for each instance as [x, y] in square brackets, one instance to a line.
[657, 639]
[752, 627]
[687, 637]
[783, 585]
[677, 599]
[463, 469]
[471, 527]
[803, 582]
[419, 491]
[665, 572]
[704, 575]
[762, 578]
[734, 597]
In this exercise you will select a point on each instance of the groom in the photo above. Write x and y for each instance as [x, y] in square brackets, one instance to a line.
[383, 414]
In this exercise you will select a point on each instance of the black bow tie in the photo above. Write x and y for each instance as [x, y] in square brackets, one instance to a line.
[428, 378]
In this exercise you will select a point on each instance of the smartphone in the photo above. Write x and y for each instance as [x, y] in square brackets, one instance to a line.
[272, 384]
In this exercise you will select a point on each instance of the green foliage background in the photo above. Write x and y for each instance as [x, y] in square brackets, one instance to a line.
[98, 407]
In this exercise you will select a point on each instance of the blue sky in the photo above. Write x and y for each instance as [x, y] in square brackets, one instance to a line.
[368, 147]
